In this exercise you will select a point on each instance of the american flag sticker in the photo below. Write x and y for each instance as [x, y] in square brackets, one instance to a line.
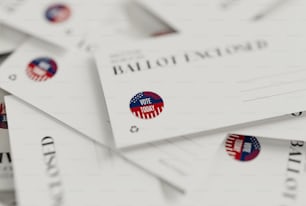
[3, 119]
[146, 105]
[242, 148]
[57, 13]
[41, 69]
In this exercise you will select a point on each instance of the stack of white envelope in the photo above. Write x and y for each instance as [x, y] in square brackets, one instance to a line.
[152, 103]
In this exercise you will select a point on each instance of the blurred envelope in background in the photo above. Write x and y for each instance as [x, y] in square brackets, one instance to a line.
[69, 169]
[78, 24]
[202, 17]
[254, 171]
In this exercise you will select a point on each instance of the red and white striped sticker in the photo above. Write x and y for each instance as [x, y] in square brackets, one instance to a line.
[242, 148]
[41, 69]
[146, 105]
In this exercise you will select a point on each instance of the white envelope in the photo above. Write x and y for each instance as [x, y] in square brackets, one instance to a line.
[84, 25]
[6, 170]
[58, 166]
[174, 86]
[202, 17]
[255, 171]
[10, 39]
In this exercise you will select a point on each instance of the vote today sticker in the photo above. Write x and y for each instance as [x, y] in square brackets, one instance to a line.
[242, 148]
[146, 105]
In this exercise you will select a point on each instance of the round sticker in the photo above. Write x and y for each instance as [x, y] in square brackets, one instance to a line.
[242, 148]
[3, 119]
[58, 13]
[146, 105]
[41, 69]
